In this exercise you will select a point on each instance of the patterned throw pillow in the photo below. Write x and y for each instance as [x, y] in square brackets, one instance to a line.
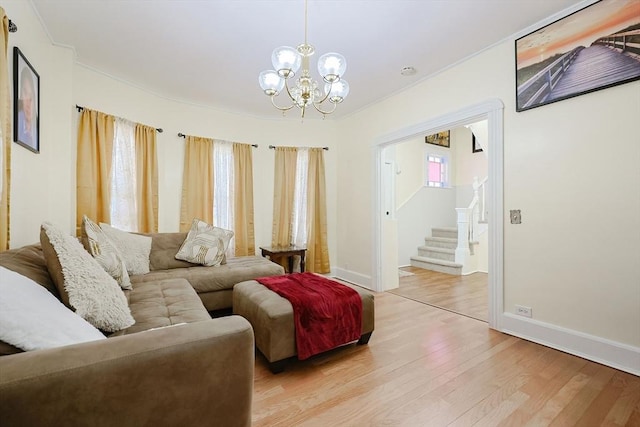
[205, 244]
[100, 247]
[133, 247]
[82, 283]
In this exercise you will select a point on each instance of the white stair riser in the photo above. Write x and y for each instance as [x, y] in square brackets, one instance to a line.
[431, 253]
[440, 244]
[443, 232]
[437, 267]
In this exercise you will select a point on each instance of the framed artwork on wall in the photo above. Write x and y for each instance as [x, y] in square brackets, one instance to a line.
[441, 138]
[594, 48]
[475, 147]
[26, 103]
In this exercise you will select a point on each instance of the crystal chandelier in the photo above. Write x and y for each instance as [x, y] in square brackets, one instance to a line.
[287, 61]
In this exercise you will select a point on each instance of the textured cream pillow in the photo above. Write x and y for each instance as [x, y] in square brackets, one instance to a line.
[100, 247]
[86, 287]
[32, 319]
[205, 244]
[133, 247]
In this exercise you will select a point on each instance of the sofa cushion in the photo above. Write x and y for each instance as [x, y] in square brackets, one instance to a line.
[97, 243]
[29, 261]
[163, 303]
[135, 248]
[205, 244]
[209, 279]
[164, 247]
[33, 319]
[82, 283]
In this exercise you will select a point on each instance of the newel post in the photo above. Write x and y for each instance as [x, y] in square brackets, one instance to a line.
[462, 249]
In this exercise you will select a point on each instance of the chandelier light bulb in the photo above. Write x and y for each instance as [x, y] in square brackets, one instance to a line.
[337, 91]
[332, 66]
[286, 61]
[270, 82]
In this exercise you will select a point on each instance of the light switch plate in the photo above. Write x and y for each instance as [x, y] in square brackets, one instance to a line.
[516, 217]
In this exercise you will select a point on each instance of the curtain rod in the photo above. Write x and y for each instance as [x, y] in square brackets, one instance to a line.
[273, 147]
[182, 135]
[79, 108]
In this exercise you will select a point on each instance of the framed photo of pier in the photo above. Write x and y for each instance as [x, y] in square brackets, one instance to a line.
[594, 48]
[441, 138]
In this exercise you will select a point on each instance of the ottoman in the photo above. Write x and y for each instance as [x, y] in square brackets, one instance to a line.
[272, 319]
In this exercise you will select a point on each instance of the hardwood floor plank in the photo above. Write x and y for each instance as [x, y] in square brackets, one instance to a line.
[598, 377]
[625, 411]
[465, 295]
[426, 366]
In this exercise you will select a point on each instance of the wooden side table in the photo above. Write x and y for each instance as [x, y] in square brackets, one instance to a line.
[272, 253]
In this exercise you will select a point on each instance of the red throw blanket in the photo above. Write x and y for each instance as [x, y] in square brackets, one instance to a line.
[326, 313]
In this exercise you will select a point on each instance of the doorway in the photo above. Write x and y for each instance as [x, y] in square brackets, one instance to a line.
[384, 267]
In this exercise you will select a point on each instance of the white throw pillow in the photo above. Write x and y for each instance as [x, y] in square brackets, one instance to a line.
[107, 255]
[205, 244]
[92, 293]
[32, 319]
[133, 247]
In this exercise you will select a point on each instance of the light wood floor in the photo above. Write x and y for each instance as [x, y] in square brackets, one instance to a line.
[462, 294]
[426, 366]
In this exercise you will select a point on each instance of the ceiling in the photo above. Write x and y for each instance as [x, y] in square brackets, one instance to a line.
[210, 52]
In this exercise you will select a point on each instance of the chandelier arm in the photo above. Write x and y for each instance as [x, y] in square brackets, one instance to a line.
[286, 85]
[335, 105]
[325, 97]
[273, 102]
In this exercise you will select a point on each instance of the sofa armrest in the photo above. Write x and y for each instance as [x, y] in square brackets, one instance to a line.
[195, 374]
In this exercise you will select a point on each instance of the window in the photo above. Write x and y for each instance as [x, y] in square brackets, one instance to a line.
[223, 186]
[437, 171]
[299, 227]
[123, 208]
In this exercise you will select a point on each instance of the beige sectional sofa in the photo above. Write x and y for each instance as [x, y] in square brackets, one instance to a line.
[198, 371]
[214, 285]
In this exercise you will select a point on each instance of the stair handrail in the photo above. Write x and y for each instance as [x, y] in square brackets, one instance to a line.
[478, 215]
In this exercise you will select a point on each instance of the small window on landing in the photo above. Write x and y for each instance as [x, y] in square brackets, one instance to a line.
[437, 171]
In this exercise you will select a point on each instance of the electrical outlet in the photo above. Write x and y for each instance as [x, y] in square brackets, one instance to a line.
[521, 310]
[516, 216]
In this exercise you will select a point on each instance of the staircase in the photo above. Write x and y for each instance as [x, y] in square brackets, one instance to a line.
[439, 252]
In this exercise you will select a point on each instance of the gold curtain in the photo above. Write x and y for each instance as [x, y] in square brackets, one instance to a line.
[5, 136]
[317, 248]
[197, 182]
[243, 200]
[146, 179]
[93, 166]
[283, 193]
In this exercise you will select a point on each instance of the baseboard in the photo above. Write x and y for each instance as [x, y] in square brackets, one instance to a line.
[607, 352]
[353, 277]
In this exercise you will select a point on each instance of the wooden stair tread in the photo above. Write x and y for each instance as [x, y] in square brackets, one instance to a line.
[436, 261]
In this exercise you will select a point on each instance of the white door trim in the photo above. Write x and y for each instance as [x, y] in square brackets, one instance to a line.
[492, 111]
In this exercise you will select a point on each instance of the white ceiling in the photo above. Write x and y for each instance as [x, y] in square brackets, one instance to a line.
[210, 52]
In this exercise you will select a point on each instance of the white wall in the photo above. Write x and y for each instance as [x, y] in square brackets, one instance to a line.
[468, 164]
[420, 208]
[556, 261]
[430, 207]
[41, 183]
